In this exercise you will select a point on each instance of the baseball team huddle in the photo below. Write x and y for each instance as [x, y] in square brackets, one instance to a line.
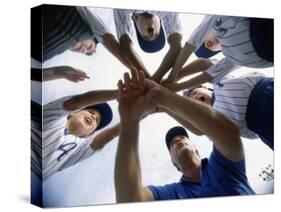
[230, 108]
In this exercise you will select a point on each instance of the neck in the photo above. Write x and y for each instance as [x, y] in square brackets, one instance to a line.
[192, 169]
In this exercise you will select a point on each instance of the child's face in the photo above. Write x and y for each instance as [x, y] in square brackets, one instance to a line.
[83, 123]
[148, 27]
[202, 94]
[211, 42]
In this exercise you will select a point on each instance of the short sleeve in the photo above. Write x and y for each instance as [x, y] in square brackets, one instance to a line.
[55, 109]
[220, 69]
[123, 24]
[98, 27]
[218, 159]
[171, 23]
[163, 192]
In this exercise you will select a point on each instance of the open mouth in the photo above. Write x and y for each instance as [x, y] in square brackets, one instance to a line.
[202, 98]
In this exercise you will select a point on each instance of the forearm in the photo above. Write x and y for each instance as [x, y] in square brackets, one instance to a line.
[194, 67]
[202, 116]
[127, 173]
[53, 73]
[167, 62]
[112, 45]
[188, 125]
[105, 137]
[196, 81]
[90, 98]
[184, 54]
[127, 49]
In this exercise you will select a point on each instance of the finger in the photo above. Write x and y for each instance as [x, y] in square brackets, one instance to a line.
[120, 87]
[135, 78]
[127, 81]
[141, 79]
[82, 73]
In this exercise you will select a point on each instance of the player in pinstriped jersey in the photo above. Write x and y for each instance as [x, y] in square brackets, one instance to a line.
[243, 42]
[152, 29]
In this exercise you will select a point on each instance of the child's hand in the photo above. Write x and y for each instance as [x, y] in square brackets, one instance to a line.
[73, 75]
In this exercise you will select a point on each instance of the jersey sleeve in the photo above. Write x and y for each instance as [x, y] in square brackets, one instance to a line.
[220, 69]
[198, 35]
[123, 24]
[162, 192]
[171, 23]
[55, 109]
[97, 25]
[225, 164]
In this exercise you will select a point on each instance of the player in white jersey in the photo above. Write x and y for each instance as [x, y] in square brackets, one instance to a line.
[152, 29]
[243, 41]
[67, 123]
[245, 100]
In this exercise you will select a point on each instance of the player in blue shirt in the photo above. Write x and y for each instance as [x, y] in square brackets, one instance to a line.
[220, 175]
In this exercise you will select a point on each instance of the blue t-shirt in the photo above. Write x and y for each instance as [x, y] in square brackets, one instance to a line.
[218, 177]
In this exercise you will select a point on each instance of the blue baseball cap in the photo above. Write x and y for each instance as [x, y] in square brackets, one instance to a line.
[106, 114]
[173, 132]
[152, 46]
[204, 52]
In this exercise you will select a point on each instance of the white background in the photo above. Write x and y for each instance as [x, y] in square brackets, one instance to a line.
[15, 94]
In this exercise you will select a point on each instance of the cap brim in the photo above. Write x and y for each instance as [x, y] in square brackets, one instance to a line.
[151, 46]
[106, 114]
[173, 132]
[203, 52]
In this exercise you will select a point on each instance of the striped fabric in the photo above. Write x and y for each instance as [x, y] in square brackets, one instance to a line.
[123, 23]
[234, 36]
[231, 99]
[62, 28]
[57, 150]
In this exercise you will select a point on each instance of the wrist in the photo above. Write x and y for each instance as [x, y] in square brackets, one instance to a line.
[129, 119]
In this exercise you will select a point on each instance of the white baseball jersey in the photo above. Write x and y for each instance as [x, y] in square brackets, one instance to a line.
[97, 25]
[57, 150]
[124, 25]
[231, 99]
[234, 36]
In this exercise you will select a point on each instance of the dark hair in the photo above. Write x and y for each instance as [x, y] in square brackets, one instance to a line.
[188, 92]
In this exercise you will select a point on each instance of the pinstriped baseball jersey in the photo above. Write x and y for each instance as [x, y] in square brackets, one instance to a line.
[234, 36]
[123, 22]
[57, 150]
[73, 24]
[231, 99]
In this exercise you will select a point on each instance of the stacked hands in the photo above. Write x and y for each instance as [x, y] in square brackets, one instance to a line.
[137, 96]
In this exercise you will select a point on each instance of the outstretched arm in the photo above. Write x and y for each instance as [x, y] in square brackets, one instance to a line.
[170, 58]
[180, 61]
[129, 52]
[188, 125]
[127, 173]
[112, 45]
[64, 72]
[224, 133]
[90, 98]
[105, 137]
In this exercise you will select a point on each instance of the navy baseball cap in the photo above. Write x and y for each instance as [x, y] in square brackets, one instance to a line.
[204, 52]
[106, 114]
[152, 46]
[173, 132]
